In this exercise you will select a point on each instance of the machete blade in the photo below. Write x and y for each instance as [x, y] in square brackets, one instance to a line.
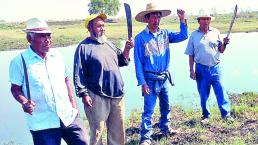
[129, 19]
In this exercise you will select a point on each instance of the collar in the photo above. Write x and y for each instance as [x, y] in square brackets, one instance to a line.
[95, 40]
[147, 30]
[199, 30]
[32, 54]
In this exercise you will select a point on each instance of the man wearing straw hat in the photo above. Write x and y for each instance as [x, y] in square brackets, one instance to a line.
[204, 49]
[40, 83]
[152, 58]
[98, 82]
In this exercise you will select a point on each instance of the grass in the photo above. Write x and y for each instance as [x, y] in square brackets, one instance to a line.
[243, 131]
[72, 32]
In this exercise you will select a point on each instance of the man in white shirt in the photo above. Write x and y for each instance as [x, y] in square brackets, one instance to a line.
[204, 49]
[49, 105]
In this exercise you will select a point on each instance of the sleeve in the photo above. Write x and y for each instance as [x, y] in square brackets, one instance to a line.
[175, 37]
[138, 60]
[122, 61]
[79, 73]
[16, 74]
[190, 47]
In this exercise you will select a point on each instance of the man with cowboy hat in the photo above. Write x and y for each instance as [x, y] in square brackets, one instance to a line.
[40, 83]
[98, 82]
[204, 49]
[152, 58]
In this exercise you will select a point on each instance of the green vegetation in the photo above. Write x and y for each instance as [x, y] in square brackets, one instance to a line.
[242, 131]
[72, 32]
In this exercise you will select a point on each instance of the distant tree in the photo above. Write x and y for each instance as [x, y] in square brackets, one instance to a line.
[110, 7]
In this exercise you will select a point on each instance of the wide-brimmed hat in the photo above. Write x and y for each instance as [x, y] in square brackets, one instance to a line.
[205, 15]
[94, 16]
[150, 8]
[37, 25]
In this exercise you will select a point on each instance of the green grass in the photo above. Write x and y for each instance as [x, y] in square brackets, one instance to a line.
[243, 131]
[72, 32]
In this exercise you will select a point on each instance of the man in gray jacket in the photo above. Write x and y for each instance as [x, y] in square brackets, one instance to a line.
[98, 82]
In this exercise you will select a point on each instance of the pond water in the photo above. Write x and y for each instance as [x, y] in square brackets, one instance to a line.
[240, 70]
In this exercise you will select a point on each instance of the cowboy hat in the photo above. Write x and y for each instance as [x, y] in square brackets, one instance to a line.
[36, 25]
[94, 16]
[150, 8]
[205, 14]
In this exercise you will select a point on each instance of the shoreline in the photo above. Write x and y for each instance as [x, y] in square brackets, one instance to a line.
[115, 41]
[66, 33]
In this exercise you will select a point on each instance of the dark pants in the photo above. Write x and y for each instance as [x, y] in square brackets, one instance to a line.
[74, 134]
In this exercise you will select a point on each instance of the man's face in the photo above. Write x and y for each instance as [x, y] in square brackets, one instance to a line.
[204, 22]
[153, 21]
[41, 42]
[99, 27]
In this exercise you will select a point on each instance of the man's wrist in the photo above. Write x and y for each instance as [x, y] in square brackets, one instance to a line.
[183, 20]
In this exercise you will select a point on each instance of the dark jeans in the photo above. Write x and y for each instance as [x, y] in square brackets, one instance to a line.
[74, 134]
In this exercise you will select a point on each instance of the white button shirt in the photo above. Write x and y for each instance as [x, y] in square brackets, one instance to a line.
[47, 89]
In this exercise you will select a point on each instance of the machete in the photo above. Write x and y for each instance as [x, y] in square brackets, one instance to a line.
[232, 21]
[129, 19]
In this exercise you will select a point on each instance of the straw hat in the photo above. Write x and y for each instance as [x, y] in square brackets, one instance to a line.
[94, 16]
[37, 25]
[205, 14]
[140, 17]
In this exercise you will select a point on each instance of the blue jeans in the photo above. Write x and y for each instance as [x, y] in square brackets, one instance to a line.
[158, 89]
[73, 134]
[211, 76]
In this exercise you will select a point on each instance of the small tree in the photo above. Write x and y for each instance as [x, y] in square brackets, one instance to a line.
[110, 7]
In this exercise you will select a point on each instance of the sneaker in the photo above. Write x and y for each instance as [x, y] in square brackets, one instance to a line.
[205, 120]
[145, 142]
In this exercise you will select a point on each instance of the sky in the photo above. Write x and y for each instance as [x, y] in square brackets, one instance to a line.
[21, 10]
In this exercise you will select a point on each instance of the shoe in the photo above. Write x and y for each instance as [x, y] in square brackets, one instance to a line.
[145, 142]
[204, 120]
[170, 131]
[228, 119]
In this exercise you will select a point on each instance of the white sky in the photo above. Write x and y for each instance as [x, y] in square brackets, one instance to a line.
[21, 10]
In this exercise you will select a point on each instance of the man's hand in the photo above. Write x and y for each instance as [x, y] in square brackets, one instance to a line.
[192, 75]
[128, 45]
[181, 14]
[28, 106]
[87, 100]
[226, 41]
[145, 89]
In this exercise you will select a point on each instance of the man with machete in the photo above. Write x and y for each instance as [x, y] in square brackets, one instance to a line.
[40, 83]
[98, 82]
[204, 49]
[152, 58]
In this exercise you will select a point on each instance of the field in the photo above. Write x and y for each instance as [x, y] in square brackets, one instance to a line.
[72, 32]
